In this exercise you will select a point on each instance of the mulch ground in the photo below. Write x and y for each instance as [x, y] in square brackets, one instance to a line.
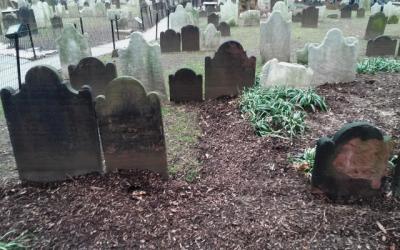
[248, 194]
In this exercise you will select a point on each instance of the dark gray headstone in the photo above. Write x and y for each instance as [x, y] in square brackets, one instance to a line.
[170, 41]
[53, 128]
[224, 28]
[229, 71]
[296, 18]
[210, 9]
[381, 46]
[345, 12]
[185, 86]
[9, 20]
[190, 38]
[26, 16]
[131, 127]
[361, 13]
[93, 72]
[352, 162]
[354, 7]
[56, 22]
[310, 17]
[376, 26]
[213, 18]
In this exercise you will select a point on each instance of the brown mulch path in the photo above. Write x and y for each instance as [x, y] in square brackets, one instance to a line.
[248, 196]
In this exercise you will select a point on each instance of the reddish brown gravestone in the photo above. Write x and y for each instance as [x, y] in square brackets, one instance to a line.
[310, 17]
[93, 72]
[224, 28]
[190, 38]
[185, 86]
[53, 129]
[170, 41]
[131, 127]
[381, 46]
[229, 71]
[213, 18]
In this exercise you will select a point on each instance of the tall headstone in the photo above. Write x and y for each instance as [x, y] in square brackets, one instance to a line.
[335, 59]
[179, 18]
[381, 46]
[72, 46]
[131, 127]
[310, 17]
[185, 86]
[190, 38]
[213, 18]
[193, 14]
[352, 162]
[170, 41]
[230, 13]
[229, 71]
[41, 14]
[93, 72]
[275, 38]
[211, 37]
[53, 129]
[251, 17]
[224, 28]
[142, 60]
[345, 12]
[376, 26]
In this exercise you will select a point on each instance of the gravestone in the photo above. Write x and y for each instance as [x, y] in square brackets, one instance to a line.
[41, 14]
[142, 60]
[72, 46]
[284, 10]
[213, 18]
[26, 16]
[364, 4]
[229, 13]
[53, 129]
[310, 17]
[352, 162]
[224, 28]
[389, 9]
[93, 72]
[251, 18]
[9, 20]
[345, 12]
[354, 7]
[131, 127]
[229, 71]
[393, 20]
[335, 59]
[376, 26]
[361, 13]
[211, 37]
[297, 17]
[56, 22]
[170, 41]
[190, 38]
[275, 38]
[376, 8]
[179, 18]
[272, 3]
[381, 46]
[185, 86]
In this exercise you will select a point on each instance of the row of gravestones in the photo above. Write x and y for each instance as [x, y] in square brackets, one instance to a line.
[308, 17]
[189, 39]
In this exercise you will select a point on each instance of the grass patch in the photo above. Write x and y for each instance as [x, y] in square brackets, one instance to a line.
[280, 111]
[17, 243]
[378, 64]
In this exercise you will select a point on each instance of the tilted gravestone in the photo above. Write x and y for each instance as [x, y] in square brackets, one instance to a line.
[56, 22]
[224, 28]
[310, 17]
[229, 71]
[352, 162]
[131, 127]
[361, 13]
[381, 46]
[376, 26]
[345, 12]
[185, 86]
[170, 41]
[213, 18]
[26, 16]
[52, 127]
[93, 72]
[190, 38]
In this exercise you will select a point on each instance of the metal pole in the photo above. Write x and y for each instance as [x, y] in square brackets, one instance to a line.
[151, 17]
[18, 62]
[116, 26]
[30, 38]
[141, 14]
[168, 19]
[156, 25]
[112, 33]
[80, 20]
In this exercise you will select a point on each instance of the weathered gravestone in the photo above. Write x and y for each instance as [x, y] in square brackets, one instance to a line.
[230, 13]
[52, 127]
[229, 71]
[376, 8]
[352, 162]
[272, 3]
[131, 127]
[361, 13]
[224, 28]
[26, 16]
[284, 10]
[381, 46]
[354, 7]
[185, 86]
[9, 20]
[251, 17]
[170, 41]
[213, 18]
[345, 12]
[310, 17]
[376, 26]
[211, 37]
[190, 38]
[393, 20]
[179, 18]
[142, 60]
[297, 17]
[56, 22]
[93, 72]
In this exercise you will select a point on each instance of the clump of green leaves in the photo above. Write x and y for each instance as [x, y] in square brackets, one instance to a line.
[19, 243]
[378, 64]
[280, 111]
[305, 162]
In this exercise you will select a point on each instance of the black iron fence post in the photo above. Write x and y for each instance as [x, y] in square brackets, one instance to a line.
[151, 16]
[156, 25]
[18, 61]
[116, 26]
[30, 38]
[112, 33]
[141, 14]
[168, 19]
[81, 21]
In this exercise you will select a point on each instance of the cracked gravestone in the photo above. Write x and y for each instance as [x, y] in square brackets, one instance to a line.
[185, 86]
[170, 41]
[190, 38]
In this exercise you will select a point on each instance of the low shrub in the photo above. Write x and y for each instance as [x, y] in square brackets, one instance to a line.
[378, 64]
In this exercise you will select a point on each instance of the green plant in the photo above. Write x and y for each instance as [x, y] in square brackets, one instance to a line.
[305, 162]
[378, 64]
[191, 175]
[20, 242]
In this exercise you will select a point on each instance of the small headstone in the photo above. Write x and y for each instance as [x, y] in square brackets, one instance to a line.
[381, 46]
[297, 17]
[345, 12]
[56, 22]
[364, 4]
[229, 13]
[213, 18]
[131, 127]
[310, 17]
[185, 86]
[393, 20]
[251, 17]
[93, 72]
[170, 41]
[376, 26]
[361, 13]
[211, 37]
[190, 38]
[224, 28]
[229, 71]
[352, 162]
[53, 130]
[332, 5]
[354, 7]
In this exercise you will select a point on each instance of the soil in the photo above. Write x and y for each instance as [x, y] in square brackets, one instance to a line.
[248, 194]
